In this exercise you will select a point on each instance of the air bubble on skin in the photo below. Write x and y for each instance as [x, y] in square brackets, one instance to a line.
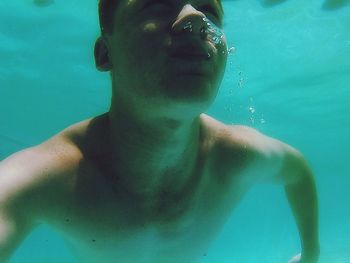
[204, 32]
[206, 20]
[221, 38]
[188, 26]
[214, 33]
[215, 39]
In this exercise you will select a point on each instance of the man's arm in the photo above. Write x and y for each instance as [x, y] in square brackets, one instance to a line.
[277, 162]
[12, 231]
[15, 220]
[302, 198]
[293, 172]
[29, 181]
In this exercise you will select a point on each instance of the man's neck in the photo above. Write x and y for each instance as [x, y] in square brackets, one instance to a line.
[151, 153]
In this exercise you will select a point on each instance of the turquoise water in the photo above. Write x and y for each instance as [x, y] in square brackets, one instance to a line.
[289, 78]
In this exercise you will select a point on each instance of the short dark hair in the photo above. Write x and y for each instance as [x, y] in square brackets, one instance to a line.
[106, 11]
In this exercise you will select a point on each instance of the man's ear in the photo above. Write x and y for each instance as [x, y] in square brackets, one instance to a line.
[102, 59]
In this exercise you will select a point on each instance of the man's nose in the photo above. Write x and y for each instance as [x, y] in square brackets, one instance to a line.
[191, 20]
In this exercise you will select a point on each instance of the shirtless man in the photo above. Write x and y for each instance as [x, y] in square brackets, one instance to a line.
[154, 179]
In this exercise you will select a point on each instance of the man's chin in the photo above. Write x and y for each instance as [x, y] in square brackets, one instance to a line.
[191, 92]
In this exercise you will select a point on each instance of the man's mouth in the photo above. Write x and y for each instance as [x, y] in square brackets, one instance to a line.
[190, 56]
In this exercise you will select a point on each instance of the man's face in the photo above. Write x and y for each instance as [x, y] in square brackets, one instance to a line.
[168, 50]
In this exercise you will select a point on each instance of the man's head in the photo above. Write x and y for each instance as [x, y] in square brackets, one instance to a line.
[162, 52]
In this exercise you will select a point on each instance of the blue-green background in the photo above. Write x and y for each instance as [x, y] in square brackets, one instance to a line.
[289, 78]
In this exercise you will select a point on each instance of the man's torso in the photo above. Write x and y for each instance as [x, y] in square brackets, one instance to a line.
[104, 223]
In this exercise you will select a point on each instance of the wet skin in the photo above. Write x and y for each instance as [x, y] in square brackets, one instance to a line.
[145, 37]
[153, 179]
[101, 219]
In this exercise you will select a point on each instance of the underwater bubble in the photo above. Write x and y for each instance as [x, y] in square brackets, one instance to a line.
[252, 120]
[204, 32]
[188, 26]
[251, 109]
[262, 121]
[214, 32]
[241, 79]
[231, 50]
[216, 40]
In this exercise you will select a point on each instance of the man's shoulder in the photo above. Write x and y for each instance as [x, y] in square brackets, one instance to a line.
[30, 176]
[238, 147]
[235, 137]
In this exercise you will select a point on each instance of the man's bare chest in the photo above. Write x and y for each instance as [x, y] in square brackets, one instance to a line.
[98, 226]
[96, 233]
